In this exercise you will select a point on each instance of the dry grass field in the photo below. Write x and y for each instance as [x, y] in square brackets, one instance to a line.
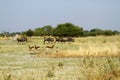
[88, 58]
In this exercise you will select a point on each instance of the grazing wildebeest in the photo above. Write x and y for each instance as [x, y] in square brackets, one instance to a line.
[22, 39]
[69, 39]
[57, 39]
[61, 39]
[48, 40]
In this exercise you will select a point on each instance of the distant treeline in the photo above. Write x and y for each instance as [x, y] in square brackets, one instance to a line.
[66, 29]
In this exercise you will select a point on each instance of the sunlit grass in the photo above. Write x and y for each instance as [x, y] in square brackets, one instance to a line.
[90, 58]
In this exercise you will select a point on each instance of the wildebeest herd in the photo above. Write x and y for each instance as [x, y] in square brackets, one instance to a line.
[48, 40]
[58, 39]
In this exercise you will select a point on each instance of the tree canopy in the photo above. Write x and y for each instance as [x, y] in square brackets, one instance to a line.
[66, 29]
[29, 33]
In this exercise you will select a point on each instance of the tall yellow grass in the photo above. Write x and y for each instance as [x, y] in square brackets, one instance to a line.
[100, 46]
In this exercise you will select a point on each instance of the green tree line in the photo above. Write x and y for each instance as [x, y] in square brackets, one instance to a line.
[66, 29]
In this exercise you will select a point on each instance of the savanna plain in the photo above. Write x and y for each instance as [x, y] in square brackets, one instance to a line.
[88, 58]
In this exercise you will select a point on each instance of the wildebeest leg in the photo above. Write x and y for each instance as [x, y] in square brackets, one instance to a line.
[49, 42]
[44, 42]
[17, 42]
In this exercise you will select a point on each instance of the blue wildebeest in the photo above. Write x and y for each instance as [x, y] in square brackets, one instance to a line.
[48, 40]
[70, 39]
[57, 39]
[61, 39]
[21, 40]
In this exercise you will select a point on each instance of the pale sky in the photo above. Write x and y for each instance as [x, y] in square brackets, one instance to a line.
[21, 15]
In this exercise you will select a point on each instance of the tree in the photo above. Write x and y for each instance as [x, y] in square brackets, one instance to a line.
[108, 33]
[86, 33]
[67, 29]
[48, 30]
[29, 33]
[116, 32]
[39, 32]
[96, 31]
[14, 33]
[45, 30]
[5, 34]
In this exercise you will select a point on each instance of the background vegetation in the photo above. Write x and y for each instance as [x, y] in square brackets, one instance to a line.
[66, 29]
